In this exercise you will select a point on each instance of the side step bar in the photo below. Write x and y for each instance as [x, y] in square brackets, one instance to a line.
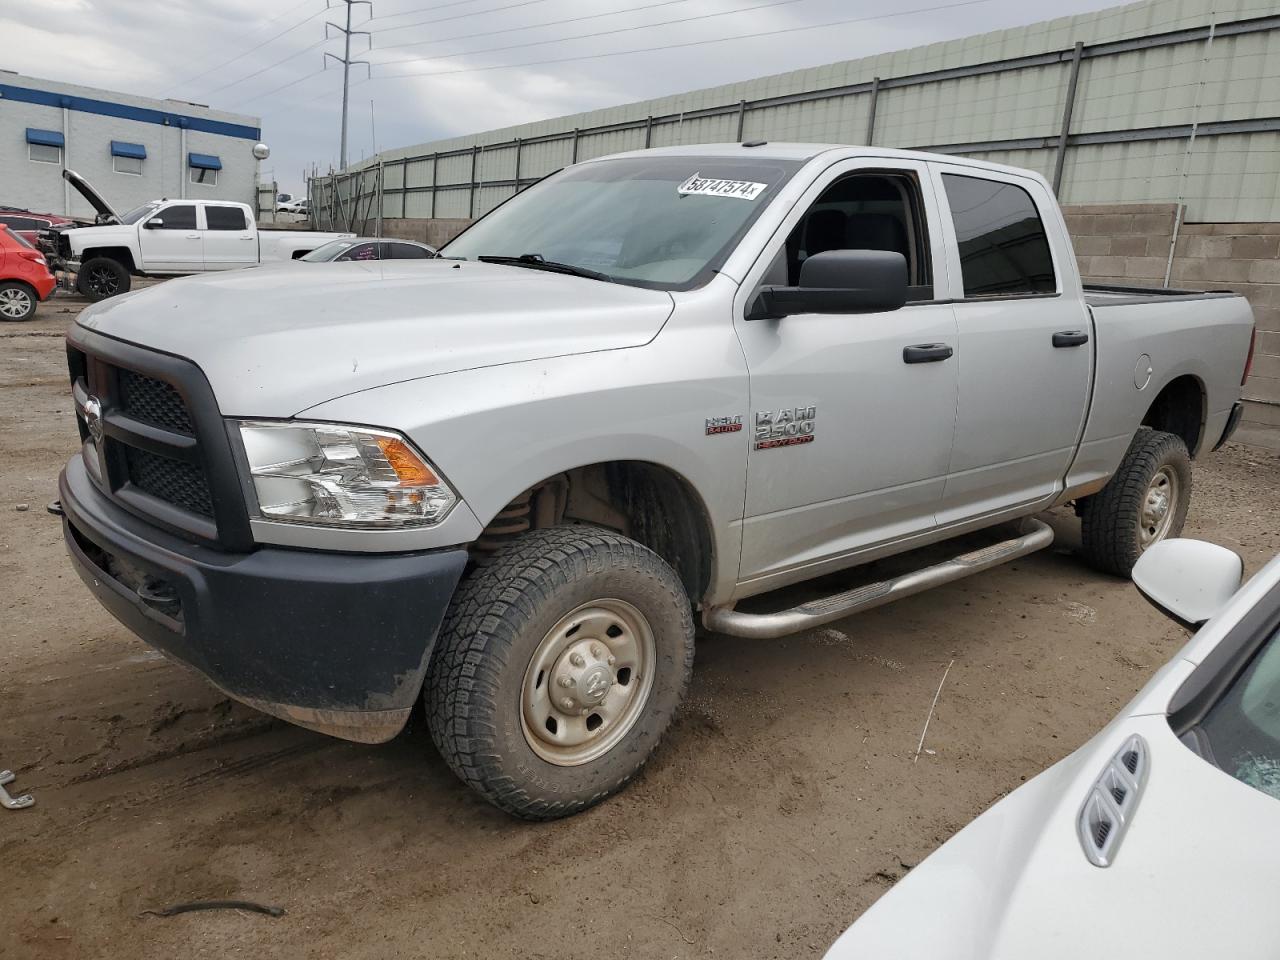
[769, 626]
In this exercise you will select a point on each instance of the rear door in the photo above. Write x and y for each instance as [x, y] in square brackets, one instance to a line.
[1025, 357]
[229, 240]
[171, 241]
[851, 435]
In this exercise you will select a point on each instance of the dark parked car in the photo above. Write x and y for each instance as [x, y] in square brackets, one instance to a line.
[369, 248]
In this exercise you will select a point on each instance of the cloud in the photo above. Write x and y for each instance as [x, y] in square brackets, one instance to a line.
[155, 49]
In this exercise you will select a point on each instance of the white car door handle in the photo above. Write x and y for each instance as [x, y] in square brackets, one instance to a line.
[246, 236]
[193, 236]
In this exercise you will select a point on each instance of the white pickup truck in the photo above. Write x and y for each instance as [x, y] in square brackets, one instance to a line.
[652, 386]
[166, 238]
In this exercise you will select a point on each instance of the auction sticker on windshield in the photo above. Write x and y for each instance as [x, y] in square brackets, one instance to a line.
[700, 186]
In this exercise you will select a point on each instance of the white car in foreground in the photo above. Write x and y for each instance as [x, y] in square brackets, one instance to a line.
[1160, 837]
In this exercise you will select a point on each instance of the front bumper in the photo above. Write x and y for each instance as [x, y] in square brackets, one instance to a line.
[334, 642]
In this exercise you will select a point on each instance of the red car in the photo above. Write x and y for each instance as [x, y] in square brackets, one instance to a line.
[28, 225]
[25, 279]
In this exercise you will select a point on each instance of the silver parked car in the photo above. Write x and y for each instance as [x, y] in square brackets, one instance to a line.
[368, 248]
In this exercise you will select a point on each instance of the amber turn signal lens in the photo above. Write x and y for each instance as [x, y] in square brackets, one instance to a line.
[411, 470]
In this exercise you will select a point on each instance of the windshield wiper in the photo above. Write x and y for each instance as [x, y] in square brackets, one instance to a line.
[537, 261]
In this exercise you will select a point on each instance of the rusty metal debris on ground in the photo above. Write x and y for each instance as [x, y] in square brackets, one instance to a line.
[194, 905]
[13, 803]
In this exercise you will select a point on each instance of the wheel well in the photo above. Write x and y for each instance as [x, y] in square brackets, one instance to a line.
[121, 255]
[1179, 409]
[649, 503]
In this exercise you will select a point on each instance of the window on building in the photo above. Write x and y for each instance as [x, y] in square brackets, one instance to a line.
[224, 218]
[45, 146]
[204, 175]
[127, 157]
[204, 168]
[1003, 247]
[130, 165]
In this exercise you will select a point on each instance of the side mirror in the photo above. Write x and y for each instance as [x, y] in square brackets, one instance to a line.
[155, 223]
[1188, 580]
[838, 281]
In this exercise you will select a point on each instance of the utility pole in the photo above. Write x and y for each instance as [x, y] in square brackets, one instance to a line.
[346, 62]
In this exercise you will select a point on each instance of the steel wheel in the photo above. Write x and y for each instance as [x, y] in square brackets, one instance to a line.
[587, 682]
[1158, 506]
[16, 303]
[102, 281]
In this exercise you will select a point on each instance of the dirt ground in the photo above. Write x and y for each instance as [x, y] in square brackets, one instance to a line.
[784, 801]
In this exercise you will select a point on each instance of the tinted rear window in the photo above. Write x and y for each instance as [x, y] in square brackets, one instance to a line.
[224, 218]
[1003, 247]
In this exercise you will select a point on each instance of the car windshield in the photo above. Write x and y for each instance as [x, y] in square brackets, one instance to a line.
[137, 213]
[663, 222]
[1243, 728]
[329, 251]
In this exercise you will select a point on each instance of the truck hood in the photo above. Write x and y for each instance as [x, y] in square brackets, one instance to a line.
[276, 340]
[106, 214]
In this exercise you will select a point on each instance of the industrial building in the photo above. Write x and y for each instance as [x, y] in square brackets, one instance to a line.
[132, 149]
[1157, 123]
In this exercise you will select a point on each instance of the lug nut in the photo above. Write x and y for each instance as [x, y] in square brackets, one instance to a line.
[577, 660]
[596, 651]
[567, 703]
[565, 681]
[612, 660]
[584, 711]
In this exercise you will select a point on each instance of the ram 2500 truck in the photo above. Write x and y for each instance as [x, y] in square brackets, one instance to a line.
[166, 238]
[652, 386]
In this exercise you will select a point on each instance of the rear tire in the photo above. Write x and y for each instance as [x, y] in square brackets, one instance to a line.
[102, 277]
[559, 667]
[1144, 502]
[17, 302]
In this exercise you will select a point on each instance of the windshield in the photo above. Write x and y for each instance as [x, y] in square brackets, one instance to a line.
[328, 251]
[137, 213]
[1243, 728]
[661, 222]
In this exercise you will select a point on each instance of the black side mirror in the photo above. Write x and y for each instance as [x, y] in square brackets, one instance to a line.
[155, 223]
[838, 281]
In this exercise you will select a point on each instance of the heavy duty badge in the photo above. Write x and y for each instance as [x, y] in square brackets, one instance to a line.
[724, 424]
[785, 428]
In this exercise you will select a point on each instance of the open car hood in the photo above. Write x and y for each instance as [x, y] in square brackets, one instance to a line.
[82, 186]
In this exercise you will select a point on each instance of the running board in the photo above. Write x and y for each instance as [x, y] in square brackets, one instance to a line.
[769, 626]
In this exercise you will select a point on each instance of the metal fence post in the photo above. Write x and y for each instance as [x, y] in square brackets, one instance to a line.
[471, 203]
[648, 132]
[435, 164]
[1061, 158]
[871, 111]
[742, 117]
[517, 177]
[575, 146]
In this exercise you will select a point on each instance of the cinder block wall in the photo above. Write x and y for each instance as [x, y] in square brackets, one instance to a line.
[1129, 244]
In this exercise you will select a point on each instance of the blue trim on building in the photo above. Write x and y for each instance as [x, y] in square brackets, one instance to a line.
[121, 149]
[45, 138]
[204, 161]
[46, 98]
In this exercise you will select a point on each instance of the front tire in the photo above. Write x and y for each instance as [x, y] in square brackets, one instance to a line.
[102, 277]
[559, 667]
[17, 302]
[1144, 502]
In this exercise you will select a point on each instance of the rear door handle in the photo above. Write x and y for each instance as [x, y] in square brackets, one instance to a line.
[1070, 338]
[926, 353]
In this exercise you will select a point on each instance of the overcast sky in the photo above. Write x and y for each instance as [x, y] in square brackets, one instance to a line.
[185, 49]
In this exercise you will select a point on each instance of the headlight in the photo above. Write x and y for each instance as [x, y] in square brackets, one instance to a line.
[342, 476]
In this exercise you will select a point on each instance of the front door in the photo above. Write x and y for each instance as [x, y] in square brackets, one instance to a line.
[852, 427]
[1026, 350]
[171, 242]
[229, 239]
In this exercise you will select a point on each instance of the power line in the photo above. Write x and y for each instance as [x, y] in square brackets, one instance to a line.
[600, 33]
[245, 53]
[406, 13]
[532, 26]
[346, 61]
[460, 16]
[680, 46]
[268, 67]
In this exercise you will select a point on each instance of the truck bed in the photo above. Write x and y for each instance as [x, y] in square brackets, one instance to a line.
[1104, 295]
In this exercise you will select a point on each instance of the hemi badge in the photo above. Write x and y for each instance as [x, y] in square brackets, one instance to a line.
[723, 425]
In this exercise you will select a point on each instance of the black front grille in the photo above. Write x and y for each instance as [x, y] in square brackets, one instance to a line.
[173, 481]
[154, 401]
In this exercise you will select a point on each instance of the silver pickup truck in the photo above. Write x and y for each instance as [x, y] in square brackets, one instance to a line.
[653, 386]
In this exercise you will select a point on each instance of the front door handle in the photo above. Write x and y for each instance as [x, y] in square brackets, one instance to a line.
[193, 236]
[926, 353]
[1070, 338]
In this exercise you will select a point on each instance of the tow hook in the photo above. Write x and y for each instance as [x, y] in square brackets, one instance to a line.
[55, 509]
[13, 803]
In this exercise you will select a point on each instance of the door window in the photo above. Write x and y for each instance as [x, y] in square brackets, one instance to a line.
[22, 223]
[361, 251]
[181, 217]
[407, 251]
[1003, 247]
[224, 218]
[863, 211]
